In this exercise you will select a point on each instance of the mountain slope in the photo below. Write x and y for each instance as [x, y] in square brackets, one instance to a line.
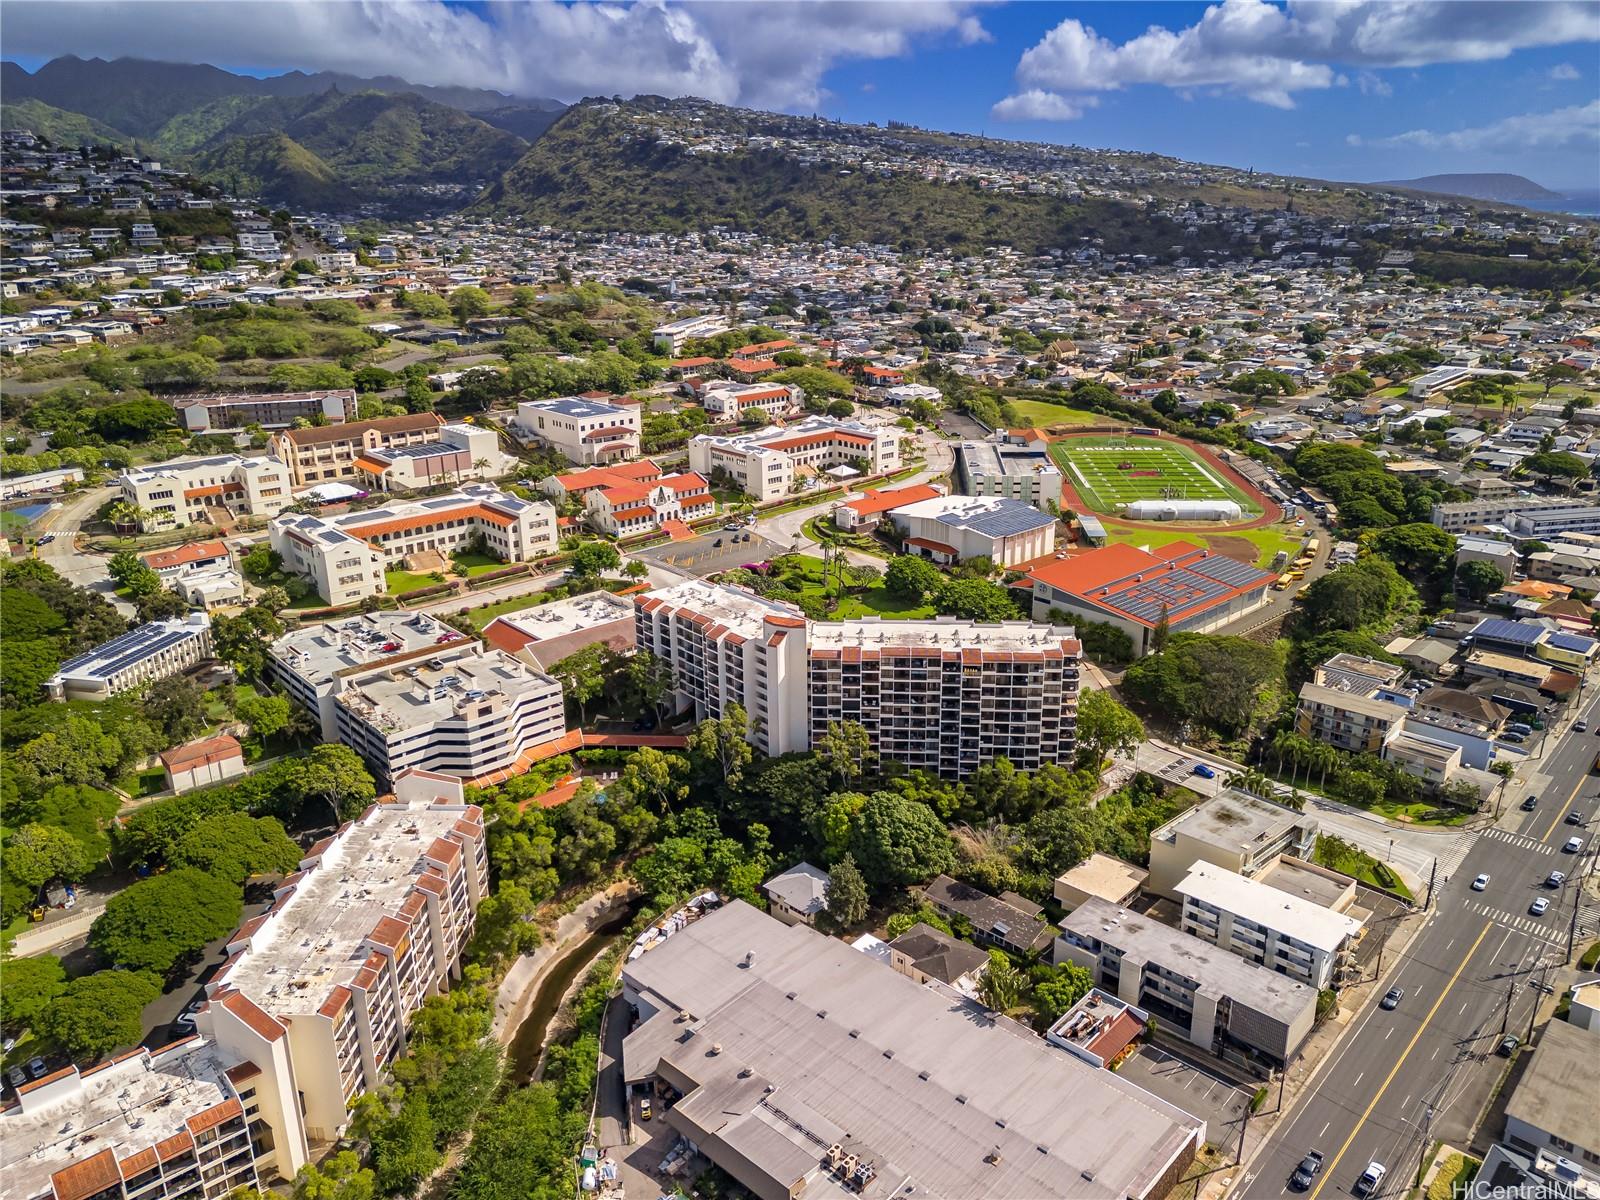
[1500, 188]
[139, 96]
[527, 121]
[274, 165]
[59, 127]
[593, 170]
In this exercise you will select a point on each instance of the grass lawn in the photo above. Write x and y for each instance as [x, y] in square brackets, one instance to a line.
[1112, 472]
[1391, 393]
[145, 783]
[1351, 860]
[14, 524]
[872, 602]
[309, 600]
[476, 564]
[398, 582]
[1042, 414]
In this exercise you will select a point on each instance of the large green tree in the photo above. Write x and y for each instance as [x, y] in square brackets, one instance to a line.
[159, 921]
[898, 841]
[1418, 550]
[31, 985]
[1218, 681]
[96, 1014]
[1104, 728]
[234, 846]
[911, 578]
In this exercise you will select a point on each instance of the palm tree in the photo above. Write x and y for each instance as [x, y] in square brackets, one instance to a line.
[480, 465]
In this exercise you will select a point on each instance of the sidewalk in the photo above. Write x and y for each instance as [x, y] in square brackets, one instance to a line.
[39, 939]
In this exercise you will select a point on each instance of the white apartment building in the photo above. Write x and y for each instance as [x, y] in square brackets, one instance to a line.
[259, 245]
[317, 993]
[672, 337]
[183, 1120]
[142, 655]
[1544, 514]
[769, 462]
[311, 662]
[1277, 929]
[335, 262]
[270, 410]
[951, 529]
[587, 429]
[944, 695]
[346, 556]
[187, 491]
[459, 710]
[1020, 471]
[461, 453]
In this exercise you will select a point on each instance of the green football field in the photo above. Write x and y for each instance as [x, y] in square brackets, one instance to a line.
[1112, 472]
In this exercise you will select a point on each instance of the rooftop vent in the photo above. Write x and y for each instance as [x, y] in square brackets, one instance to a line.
[716, 1049]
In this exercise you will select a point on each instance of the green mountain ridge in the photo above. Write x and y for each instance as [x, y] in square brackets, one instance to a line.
[593, 170]
[277, 166]
[59, 126]
[1494, 186]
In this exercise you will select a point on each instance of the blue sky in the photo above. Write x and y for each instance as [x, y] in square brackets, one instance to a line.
[1373, 89]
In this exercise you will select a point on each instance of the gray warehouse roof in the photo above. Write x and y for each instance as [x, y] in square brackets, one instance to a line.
[1560, 1091]
[795, 1042]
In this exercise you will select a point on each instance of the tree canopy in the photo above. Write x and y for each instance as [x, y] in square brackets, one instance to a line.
[156, 922]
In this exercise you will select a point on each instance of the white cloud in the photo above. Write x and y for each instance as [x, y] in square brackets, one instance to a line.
[1564, 73]
[1269, 53]
[756, 53]
[1037, 105]
[1576, 128]
[1372, 85]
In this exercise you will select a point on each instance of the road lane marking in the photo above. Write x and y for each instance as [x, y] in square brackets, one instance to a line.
[1358, 1079]
[1390, 1034]
[1324, 1130]
[1327, 1174]
[1556, 820]
[1463, 1008]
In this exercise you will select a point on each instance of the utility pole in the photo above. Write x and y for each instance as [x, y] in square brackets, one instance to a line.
[1422, 1159]
[1433, 875]
[1244, 1125]
[1533, 1012]
[1505, 1015]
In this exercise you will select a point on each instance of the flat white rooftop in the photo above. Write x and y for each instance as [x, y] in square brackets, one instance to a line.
[1267, 906]
[426, 692]
[123, 1106]
[572, 615]
[741, 611]
[310, 942]
[319, 652]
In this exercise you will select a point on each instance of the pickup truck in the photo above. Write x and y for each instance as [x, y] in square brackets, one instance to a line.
[1310, 1167]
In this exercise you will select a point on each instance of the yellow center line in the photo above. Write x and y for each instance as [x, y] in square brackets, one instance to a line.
[1395, 1070]
[1556, 820]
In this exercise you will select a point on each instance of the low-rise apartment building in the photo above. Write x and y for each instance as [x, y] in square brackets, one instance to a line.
[1009, 466]
[329, 452]
[140, 656]
[1235, 830]
[189, 491]
[588, 430]
[459, 710]
[179, 1121]
[1351, 703]
[1217, 1000]
[808, 1070]
[461, 453]
[942, 695]
[1513, 512]
[1008, 920]
[1277, 929]
[768, 463]
[1555, 1106]
[269, 410]
[316, 996]
[672, 337]
[345, 556]
[951, 529]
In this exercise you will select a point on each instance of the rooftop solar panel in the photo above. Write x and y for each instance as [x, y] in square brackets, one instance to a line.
[1496, 630]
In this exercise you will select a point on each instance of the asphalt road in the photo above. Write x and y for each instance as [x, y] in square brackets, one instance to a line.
[1423, 1072]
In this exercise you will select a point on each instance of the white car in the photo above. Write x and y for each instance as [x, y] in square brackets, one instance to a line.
[1481, 882]
[1574, 845]
[1540, 905]
[1371, 1178]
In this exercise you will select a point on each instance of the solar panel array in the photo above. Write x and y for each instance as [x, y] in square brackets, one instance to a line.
[1199, 582]
[1517, 632]
[1001, 521]
[123, 652]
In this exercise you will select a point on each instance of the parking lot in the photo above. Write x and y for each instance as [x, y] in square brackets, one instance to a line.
[703, 556]
[1215, 1101]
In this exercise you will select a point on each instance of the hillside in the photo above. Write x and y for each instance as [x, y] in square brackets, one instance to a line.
[139, 96]
[59, 127]
[276, 166]
[1500, 188]
[368, 138]
[593, 170]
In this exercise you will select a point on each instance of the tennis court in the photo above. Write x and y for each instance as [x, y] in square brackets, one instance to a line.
[1110, 473]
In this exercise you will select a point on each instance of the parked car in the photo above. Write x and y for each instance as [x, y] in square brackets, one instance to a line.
[1481, 882]
[1371, 1178]
[1531, 803]
[1203, 771]
[1507, 1046]
[17, 1078]
[1540, 906]
[36, 1068]
[645, 1109]
[1310, 1166]
[731, 527]
[1513, 739]
[1392, 998]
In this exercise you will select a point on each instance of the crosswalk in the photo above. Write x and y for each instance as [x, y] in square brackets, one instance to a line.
[1515, 839]
[1540, 928]
[1450, 857]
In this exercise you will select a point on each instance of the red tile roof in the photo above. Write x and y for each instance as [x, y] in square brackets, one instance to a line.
[163, 560]
[882, 500]
[198, 754]
[94, 1174]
